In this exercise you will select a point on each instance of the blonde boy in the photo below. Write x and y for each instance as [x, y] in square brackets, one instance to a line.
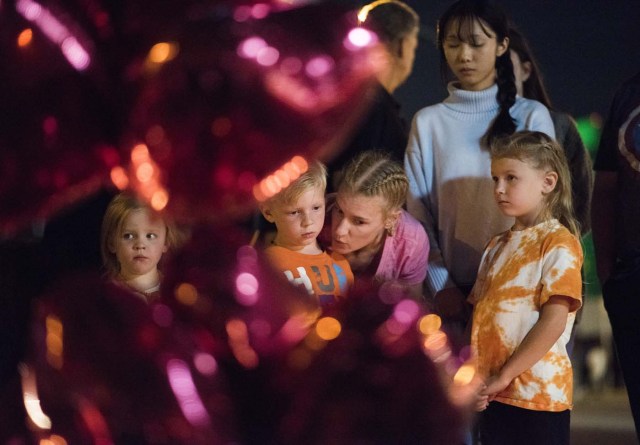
[298, 212]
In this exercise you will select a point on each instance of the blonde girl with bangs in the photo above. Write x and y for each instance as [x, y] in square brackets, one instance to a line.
[524, 300]
[133, 240]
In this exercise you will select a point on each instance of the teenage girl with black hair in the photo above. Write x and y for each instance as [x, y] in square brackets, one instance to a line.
[447, 159]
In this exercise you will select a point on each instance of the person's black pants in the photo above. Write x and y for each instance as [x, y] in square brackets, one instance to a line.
[502, 424]
[621, 294]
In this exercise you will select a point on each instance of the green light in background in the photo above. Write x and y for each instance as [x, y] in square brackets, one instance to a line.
[590, 128]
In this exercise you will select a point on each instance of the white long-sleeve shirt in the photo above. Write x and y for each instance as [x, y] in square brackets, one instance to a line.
[450, 186]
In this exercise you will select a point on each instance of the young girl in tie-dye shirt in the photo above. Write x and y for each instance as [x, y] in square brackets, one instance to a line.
[525, 297]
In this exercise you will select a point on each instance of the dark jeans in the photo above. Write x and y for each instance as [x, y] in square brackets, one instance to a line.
[621, 294]
[502, 424]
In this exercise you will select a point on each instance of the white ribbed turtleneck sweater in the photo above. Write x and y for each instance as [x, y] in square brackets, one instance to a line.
[450, 186]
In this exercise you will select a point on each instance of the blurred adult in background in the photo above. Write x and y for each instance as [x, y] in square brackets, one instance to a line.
[616, 231]
[382, 126]
[529, 83]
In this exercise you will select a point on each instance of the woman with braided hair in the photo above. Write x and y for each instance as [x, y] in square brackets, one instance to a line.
[371, 229]
[447, 159]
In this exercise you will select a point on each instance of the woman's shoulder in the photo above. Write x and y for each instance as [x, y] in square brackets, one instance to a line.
[529, 105]
[409, 228]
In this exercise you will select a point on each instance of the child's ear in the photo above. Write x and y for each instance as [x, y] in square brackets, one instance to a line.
[550, 181]
[266, 212]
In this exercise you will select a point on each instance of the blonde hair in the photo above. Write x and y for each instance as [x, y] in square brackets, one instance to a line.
[374, 173]
[314, 177]
[542, 153]
[120, 207]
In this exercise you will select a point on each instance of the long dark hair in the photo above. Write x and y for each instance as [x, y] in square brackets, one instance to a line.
[465, 13]
[533, 87]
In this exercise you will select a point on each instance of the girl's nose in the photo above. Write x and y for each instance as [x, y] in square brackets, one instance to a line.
[464, 53]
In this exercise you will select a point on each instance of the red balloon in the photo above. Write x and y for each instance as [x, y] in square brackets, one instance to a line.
[235, 96]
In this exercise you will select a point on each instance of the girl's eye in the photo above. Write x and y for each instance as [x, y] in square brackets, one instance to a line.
[511, 178]
[152, 236]
[293, 212]
[495, 178]
[127, 236]
[317, 207]
[358, 222]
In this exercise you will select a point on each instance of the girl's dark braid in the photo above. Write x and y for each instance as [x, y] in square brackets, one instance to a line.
[503, 124]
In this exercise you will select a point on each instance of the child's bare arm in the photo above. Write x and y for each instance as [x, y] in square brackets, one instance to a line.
[539, 340]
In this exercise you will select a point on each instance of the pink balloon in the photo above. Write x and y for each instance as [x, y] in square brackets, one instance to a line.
[55, 146]
[221, 284]
[232, 99]
[110, 368]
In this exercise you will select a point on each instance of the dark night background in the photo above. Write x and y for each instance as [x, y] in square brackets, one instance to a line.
[585, 49]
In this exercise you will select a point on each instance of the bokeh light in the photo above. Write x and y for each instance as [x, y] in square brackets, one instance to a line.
[186, 393]
[429, 324]
[163, 52]
[30, 398]
[247, 289]
[251, 46]
[206, 364]
[25, 37]
[54, 340]
[465, 374]
[359, 38]
[328, 328]
[275, 182]
[319, 66]
[56, 30]
[187, 294]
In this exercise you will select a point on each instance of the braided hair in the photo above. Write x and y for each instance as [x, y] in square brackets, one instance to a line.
[464, 13]
[374, 173]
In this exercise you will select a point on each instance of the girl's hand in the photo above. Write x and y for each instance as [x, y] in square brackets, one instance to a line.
[482, 402]
[495, 385]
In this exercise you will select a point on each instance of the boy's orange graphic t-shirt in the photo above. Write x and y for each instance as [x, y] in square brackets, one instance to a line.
[519, 272]
[328, 276]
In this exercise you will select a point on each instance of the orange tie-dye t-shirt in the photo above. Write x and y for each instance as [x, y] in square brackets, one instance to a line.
[519, 272]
